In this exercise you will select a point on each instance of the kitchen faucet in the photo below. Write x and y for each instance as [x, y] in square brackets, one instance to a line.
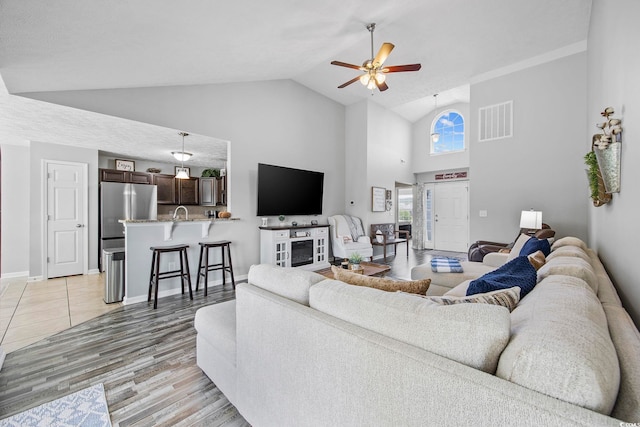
[186, 212]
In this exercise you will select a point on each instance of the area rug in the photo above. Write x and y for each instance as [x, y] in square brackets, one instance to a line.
[86, 408]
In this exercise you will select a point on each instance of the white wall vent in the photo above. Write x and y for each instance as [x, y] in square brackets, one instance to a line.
[496, 121]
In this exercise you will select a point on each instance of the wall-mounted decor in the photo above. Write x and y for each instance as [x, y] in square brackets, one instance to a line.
[378, 198]
[125, 165]
[177, 169]
[604, 159]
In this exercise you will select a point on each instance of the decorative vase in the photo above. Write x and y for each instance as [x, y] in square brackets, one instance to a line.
[355, 266]
[609, 164]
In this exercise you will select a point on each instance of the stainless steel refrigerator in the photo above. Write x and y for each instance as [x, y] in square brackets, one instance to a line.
[123, 201]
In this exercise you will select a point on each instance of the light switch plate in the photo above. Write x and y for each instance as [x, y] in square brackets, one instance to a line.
[483, 214]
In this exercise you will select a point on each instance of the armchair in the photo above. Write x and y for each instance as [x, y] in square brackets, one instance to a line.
[344, 242]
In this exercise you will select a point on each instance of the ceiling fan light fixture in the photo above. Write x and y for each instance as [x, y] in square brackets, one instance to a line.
[380, 77]
[364, 79]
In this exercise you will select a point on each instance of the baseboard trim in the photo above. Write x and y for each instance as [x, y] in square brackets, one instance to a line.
[93, 271]
[176, 291]
[14, 275]
[35, 278]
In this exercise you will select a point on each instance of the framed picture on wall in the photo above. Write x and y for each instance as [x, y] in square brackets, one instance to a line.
[378, 199]
[125, 165]
[186, 169]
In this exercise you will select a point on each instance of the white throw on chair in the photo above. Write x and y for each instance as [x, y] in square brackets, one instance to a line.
[346, 239]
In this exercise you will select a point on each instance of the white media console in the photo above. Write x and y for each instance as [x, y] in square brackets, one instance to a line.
[300, 246]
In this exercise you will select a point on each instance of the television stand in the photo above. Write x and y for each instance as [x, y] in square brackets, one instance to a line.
[302, 246]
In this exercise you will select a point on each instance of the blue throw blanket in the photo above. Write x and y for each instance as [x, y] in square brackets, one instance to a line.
[445, 265]
[517, 272]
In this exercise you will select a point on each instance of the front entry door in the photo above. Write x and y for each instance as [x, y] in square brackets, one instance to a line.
[452, 216]
[65, 219]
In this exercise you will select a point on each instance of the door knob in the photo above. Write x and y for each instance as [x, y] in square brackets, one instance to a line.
[79, 225]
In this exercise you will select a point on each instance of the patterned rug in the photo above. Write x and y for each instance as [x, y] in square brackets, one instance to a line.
[86, 408]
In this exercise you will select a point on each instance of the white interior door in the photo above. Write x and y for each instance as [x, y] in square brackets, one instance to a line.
[451, 216]
[65, 219]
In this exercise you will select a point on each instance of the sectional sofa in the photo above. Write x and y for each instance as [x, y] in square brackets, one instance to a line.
[296, 349]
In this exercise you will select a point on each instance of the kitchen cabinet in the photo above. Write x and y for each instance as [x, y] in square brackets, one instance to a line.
[187, 190]
[213, 191]
[167, 194]
[113, 175]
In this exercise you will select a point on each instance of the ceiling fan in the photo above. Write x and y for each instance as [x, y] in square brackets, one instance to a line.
[374, 72]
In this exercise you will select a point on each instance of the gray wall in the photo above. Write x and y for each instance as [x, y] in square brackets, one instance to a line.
[277, 122]
[15, 210]
[541, 166]
[614, 70]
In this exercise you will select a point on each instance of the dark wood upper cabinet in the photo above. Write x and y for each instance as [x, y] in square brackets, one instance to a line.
[188, 191]
[113, 175]
[140, 178]
[167, 194]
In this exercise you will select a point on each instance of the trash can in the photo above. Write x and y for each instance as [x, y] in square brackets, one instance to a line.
[113, 262]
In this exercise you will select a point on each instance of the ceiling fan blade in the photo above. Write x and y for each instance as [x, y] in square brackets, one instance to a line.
[382, 86]
[401, 68]
[353, 80]
[383, 53]
[344, 64]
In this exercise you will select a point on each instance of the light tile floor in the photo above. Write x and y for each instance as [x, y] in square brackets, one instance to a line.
[31, 311]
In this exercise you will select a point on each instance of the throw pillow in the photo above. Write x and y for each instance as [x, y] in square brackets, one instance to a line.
[381, 283]
[569, 241]
[517, 272]
[534, 244]
[537, 259]
[505, 297]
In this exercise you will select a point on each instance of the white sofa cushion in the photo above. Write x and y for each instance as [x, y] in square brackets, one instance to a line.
[569, 241]
[291, 283]
[570, 266]
[626, 339]
[569, 251]
[472, 334]
[560, 345]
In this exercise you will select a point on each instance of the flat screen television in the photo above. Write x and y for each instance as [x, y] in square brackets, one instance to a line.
[288, 191]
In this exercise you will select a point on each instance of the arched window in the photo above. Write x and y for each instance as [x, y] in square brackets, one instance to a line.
[449, 128]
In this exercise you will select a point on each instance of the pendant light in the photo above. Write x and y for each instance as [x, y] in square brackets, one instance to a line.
[182, 171]
[435, 136]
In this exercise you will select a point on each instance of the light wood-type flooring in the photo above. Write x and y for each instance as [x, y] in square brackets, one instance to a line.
[145, 358]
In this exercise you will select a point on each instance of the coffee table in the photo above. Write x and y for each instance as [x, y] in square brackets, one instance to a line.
[370, 269]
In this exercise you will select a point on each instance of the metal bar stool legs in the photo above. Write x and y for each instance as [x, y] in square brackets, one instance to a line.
[156, 275]
[204, 267]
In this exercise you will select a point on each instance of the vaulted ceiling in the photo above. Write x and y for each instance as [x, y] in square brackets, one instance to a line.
[99, 44]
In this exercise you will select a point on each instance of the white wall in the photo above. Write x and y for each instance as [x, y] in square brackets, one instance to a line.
[378, 153]
[422, 160]
[42, 151]
[541, 166]
[277, 122]
[613, 70]
[15, 210]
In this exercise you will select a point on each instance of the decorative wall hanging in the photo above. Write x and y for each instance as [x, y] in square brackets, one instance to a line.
[604, 159]
[378, 199]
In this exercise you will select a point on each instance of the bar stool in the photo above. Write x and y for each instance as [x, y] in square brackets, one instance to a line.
[157, 275]
[203, 263]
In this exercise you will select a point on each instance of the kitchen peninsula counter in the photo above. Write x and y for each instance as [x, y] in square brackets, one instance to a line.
[140, 235]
